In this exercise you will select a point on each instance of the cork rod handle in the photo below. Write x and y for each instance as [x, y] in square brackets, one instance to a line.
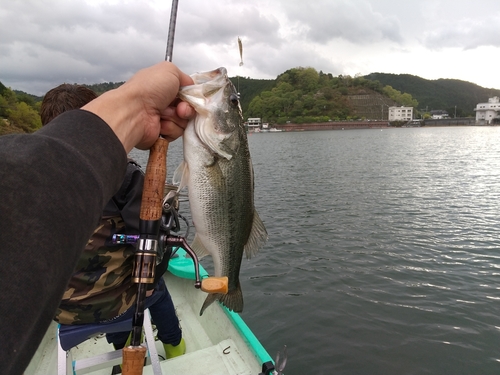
[154, 181]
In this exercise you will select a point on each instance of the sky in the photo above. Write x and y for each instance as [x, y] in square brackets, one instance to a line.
[44, 43]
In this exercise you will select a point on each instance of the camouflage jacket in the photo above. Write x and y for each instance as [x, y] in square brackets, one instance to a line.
[101, 288]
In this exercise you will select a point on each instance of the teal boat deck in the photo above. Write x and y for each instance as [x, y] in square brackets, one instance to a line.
[219, 342]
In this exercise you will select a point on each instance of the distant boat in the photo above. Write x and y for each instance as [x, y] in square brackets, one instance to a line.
[275, 130]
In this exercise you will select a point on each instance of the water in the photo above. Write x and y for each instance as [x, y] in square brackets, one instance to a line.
[383, 253]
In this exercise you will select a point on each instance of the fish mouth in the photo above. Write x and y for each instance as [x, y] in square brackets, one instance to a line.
[213, 125]
[200, 78]
[206, 86]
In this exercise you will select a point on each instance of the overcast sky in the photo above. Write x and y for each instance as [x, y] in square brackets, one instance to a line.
[47, 42]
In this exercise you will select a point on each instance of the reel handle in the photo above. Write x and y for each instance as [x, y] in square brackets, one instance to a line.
[215, 285]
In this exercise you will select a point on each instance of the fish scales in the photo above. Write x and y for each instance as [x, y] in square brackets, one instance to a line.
[218, 172]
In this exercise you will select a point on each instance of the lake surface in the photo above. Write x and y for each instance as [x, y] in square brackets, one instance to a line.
[383, 254]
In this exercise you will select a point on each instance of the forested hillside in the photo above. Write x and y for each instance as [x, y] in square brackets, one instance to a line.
[437, 94]
[101, 88]
[300, 95]
[250, 88]
[19, 112]
[304, 95]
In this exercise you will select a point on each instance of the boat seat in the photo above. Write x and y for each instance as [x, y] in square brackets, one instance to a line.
[70, 336]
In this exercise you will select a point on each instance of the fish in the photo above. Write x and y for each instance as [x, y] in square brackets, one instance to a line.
[218, 172]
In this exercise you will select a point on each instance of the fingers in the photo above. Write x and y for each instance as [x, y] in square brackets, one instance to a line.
[185, 80]
[174, 120]
[185, 111]
[171, 130]
[146, 106]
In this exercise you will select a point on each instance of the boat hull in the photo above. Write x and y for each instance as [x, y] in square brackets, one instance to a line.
[218, 342]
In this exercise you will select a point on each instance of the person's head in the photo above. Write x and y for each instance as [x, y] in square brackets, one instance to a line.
[64, 98]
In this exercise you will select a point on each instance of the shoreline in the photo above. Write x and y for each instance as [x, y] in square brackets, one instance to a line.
[376, 124]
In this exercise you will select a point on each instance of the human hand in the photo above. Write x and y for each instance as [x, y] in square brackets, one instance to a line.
[145, 106]
[175, 119]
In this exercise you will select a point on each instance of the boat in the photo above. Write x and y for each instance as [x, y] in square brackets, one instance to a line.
[218, 342]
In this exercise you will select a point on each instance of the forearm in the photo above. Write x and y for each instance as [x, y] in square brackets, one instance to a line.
[53, 186]
[122, 112]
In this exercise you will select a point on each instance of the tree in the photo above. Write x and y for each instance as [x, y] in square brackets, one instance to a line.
[255, 107]
[308, 79]
[7, 101]
[403, 99]
[25, 117]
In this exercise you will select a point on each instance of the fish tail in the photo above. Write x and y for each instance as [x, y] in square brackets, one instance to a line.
[232, 300]
[209, 300]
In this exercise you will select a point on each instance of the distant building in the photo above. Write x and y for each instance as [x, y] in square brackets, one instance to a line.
[254, 123]
[400, 113]
[439, 114]
[488, 113]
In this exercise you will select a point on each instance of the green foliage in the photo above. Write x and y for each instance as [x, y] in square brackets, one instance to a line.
[250, 88]
[2, 88]
[101, 88]
[19, 113]
[7, 101]
[25, 117]
[302, 95]
[299, 95]
[403, 99]
[27, 98]
[437, 94]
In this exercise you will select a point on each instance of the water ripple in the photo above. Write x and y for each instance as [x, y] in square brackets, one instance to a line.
[387, 242]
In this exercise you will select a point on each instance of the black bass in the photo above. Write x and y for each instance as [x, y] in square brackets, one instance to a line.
[219, 175]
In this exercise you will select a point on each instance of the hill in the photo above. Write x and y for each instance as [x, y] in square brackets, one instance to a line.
[101, 88]
[303, 95]
[250, 88]
[438, 94]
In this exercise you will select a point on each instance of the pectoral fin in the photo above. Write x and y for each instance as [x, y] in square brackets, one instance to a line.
[199, 248]
[181, 175]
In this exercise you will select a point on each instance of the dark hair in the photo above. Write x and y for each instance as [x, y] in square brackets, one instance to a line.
[64, 98]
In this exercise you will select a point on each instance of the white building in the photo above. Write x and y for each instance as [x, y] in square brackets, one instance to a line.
[439, 114]
[487, 113]
[400, 113]
[254, 123]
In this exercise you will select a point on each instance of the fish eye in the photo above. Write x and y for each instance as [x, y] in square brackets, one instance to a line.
[234, 99]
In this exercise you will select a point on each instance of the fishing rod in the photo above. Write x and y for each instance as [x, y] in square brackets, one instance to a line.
[146, 251]
[149, 227]
[171, 31]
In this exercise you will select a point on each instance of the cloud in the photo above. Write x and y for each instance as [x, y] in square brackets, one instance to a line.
[354, 21]
[47, 42]
[212, 23]
[77, 40]
[465, 33]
